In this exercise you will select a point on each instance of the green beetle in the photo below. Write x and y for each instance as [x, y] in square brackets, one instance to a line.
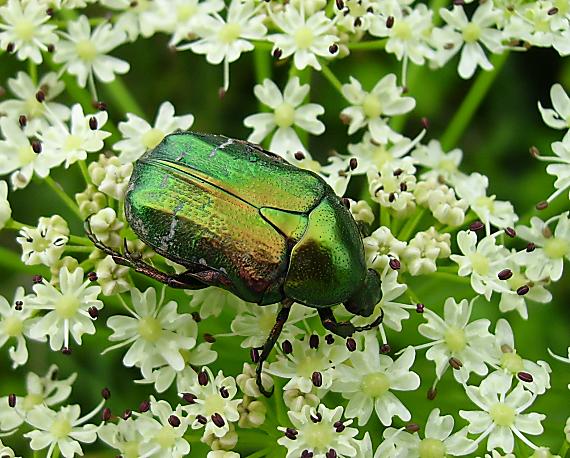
[244, 219]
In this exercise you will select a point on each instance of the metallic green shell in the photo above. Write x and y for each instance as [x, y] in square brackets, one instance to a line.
[276, 230]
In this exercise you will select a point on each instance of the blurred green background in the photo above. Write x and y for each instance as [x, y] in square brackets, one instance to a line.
[495, 143]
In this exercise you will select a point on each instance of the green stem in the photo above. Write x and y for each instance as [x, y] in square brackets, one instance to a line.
[368, 45]
[15, 225]
[450, 276]
[470, 104]
[33, 71]
[262, 64]
[329, 75]
[83, 167]
[78, 240]
[122, 97]
[411, 224]
[260, 453]
[11, 262]
[384, 216]
[564, 449]
[68, 201]
[78, 249]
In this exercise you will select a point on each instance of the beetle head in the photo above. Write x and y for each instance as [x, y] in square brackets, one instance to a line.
[365, 299]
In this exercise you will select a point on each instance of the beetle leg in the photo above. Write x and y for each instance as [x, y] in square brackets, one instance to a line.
[270, 343]
[345, 328]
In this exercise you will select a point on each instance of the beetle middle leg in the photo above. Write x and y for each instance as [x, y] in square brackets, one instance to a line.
[345, 328]
[270, 343]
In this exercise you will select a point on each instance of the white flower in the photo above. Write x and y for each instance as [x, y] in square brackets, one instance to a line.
[47, 390]
[547, 260]
[454, 337]
[5, 451]
[371, 108]
[38, 115]
[153, 330]
[392, 186]
[15, 324]
[140, 18]
[125, 436]
[465, 35]
[116, 180]
[45, 243]
[18, 157]
[370, 379]
[84, 52]
[212, 301]
[63, 429]
[501, 413]
[247, 381]
[113, 278]
[440, 163]
[304, 37]
[23, 25]
[441, 201]
[318, 431]
[5, 210]
[559, 166]
[212, 402]
[222, 454]
[67, 308]
[288, 111]
[557, 117]
[106, 227]
[438, 439]
[380, 247]
[83, 136]
[361, 211]
[139, 136]
[424, 249]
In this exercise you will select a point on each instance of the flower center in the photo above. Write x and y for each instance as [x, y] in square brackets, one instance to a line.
[40, 244]
[67, 306]
[185, 12]
[375, 385]
[130, 449]
[214, 403]
[512, 362]
[310, 364]
[431, 448]
[32, 400]
[13, 326]
[150, 329]
[556, 248]
[24, 30]
[516, 281]
[165, 437]
[72, 143]
[60, 428]
[455, 339]
[86, 50]
[480, 263]
[229, 32]
[402, 30]
[447, 165]
[26, 155]
[304, 37]
[152, 138]
[502, 414]
[471, 33]
[381, 156]
[486, 202]
[318, 436]
[371, 106]
[284, 115]
[390, 184]
[34, 108]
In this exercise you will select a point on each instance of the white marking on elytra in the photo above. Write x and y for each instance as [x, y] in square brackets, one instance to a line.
[229, 141]
[168, 238]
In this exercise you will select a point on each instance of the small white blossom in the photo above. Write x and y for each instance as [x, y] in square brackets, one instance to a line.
[5, 210]
[90, 201]
[252, 413]
[443, 166]
[212, 301]
[393, 185]
[106, 227]
[557, 117]
[116, 180]
[424, 249]
[113, 278]
[247, 381]
[380, 247]
[6, 451]
[139, 136]
[441, 201]
[45, 243]
[361, 211]
[124, 436]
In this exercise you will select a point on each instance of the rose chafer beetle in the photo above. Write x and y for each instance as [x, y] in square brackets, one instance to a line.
[244, 219]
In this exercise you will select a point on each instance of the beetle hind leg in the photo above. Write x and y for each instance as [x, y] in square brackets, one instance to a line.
[345, 328]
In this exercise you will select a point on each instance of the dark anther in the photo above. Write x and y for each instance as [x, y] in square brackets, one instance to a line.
[287, 347]
[314, 341]
[19, 305]
[317, 379]
[357, 22]
[329, 339]
[254, 355]
[505, 348]
[420, 308]
[340, 4]
[523, 290]
[291, 433]
[346, 202]
[209, 337]
[174, 421]
[398, 172]
[221, 93]
[476, 226]
[432, 393]
[412, 427]
[106, 393]
[40, 96]
[395, 264]
[51, 48]
[351, 344]
[542, 205]
[106, 414]
[144, 406]
[333, 49]
[331, 453]
[12, 400]
[552, 11]
[505, 274]
[316, 418]
[127, 414]
[133, 4]
[92, 276]
[299, 155]
[510, 232]
[196, 317]
[307, 454]
[345, 119]
[385, 348]
[66, 351]
[403, 187]
[525, 377]
[36, 147]
[201, 419]
[93, 123]
[50, 12]
[277, 53]
[339, 426]
[425, 122]
[455, 363]
[353, 163]
[10, 48]
[218, 420]
[224, 393]
[530, 247]
[93, 312]
[189, 398]
[22, 120]
[203, 378]
[99, 105]
[390, 22]
[370, 10]
[392, 197]
[534, 151]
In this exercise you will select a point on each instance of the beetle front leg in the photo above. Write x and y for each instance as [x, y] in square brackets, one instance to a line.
[345, 328]
[282, 317]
